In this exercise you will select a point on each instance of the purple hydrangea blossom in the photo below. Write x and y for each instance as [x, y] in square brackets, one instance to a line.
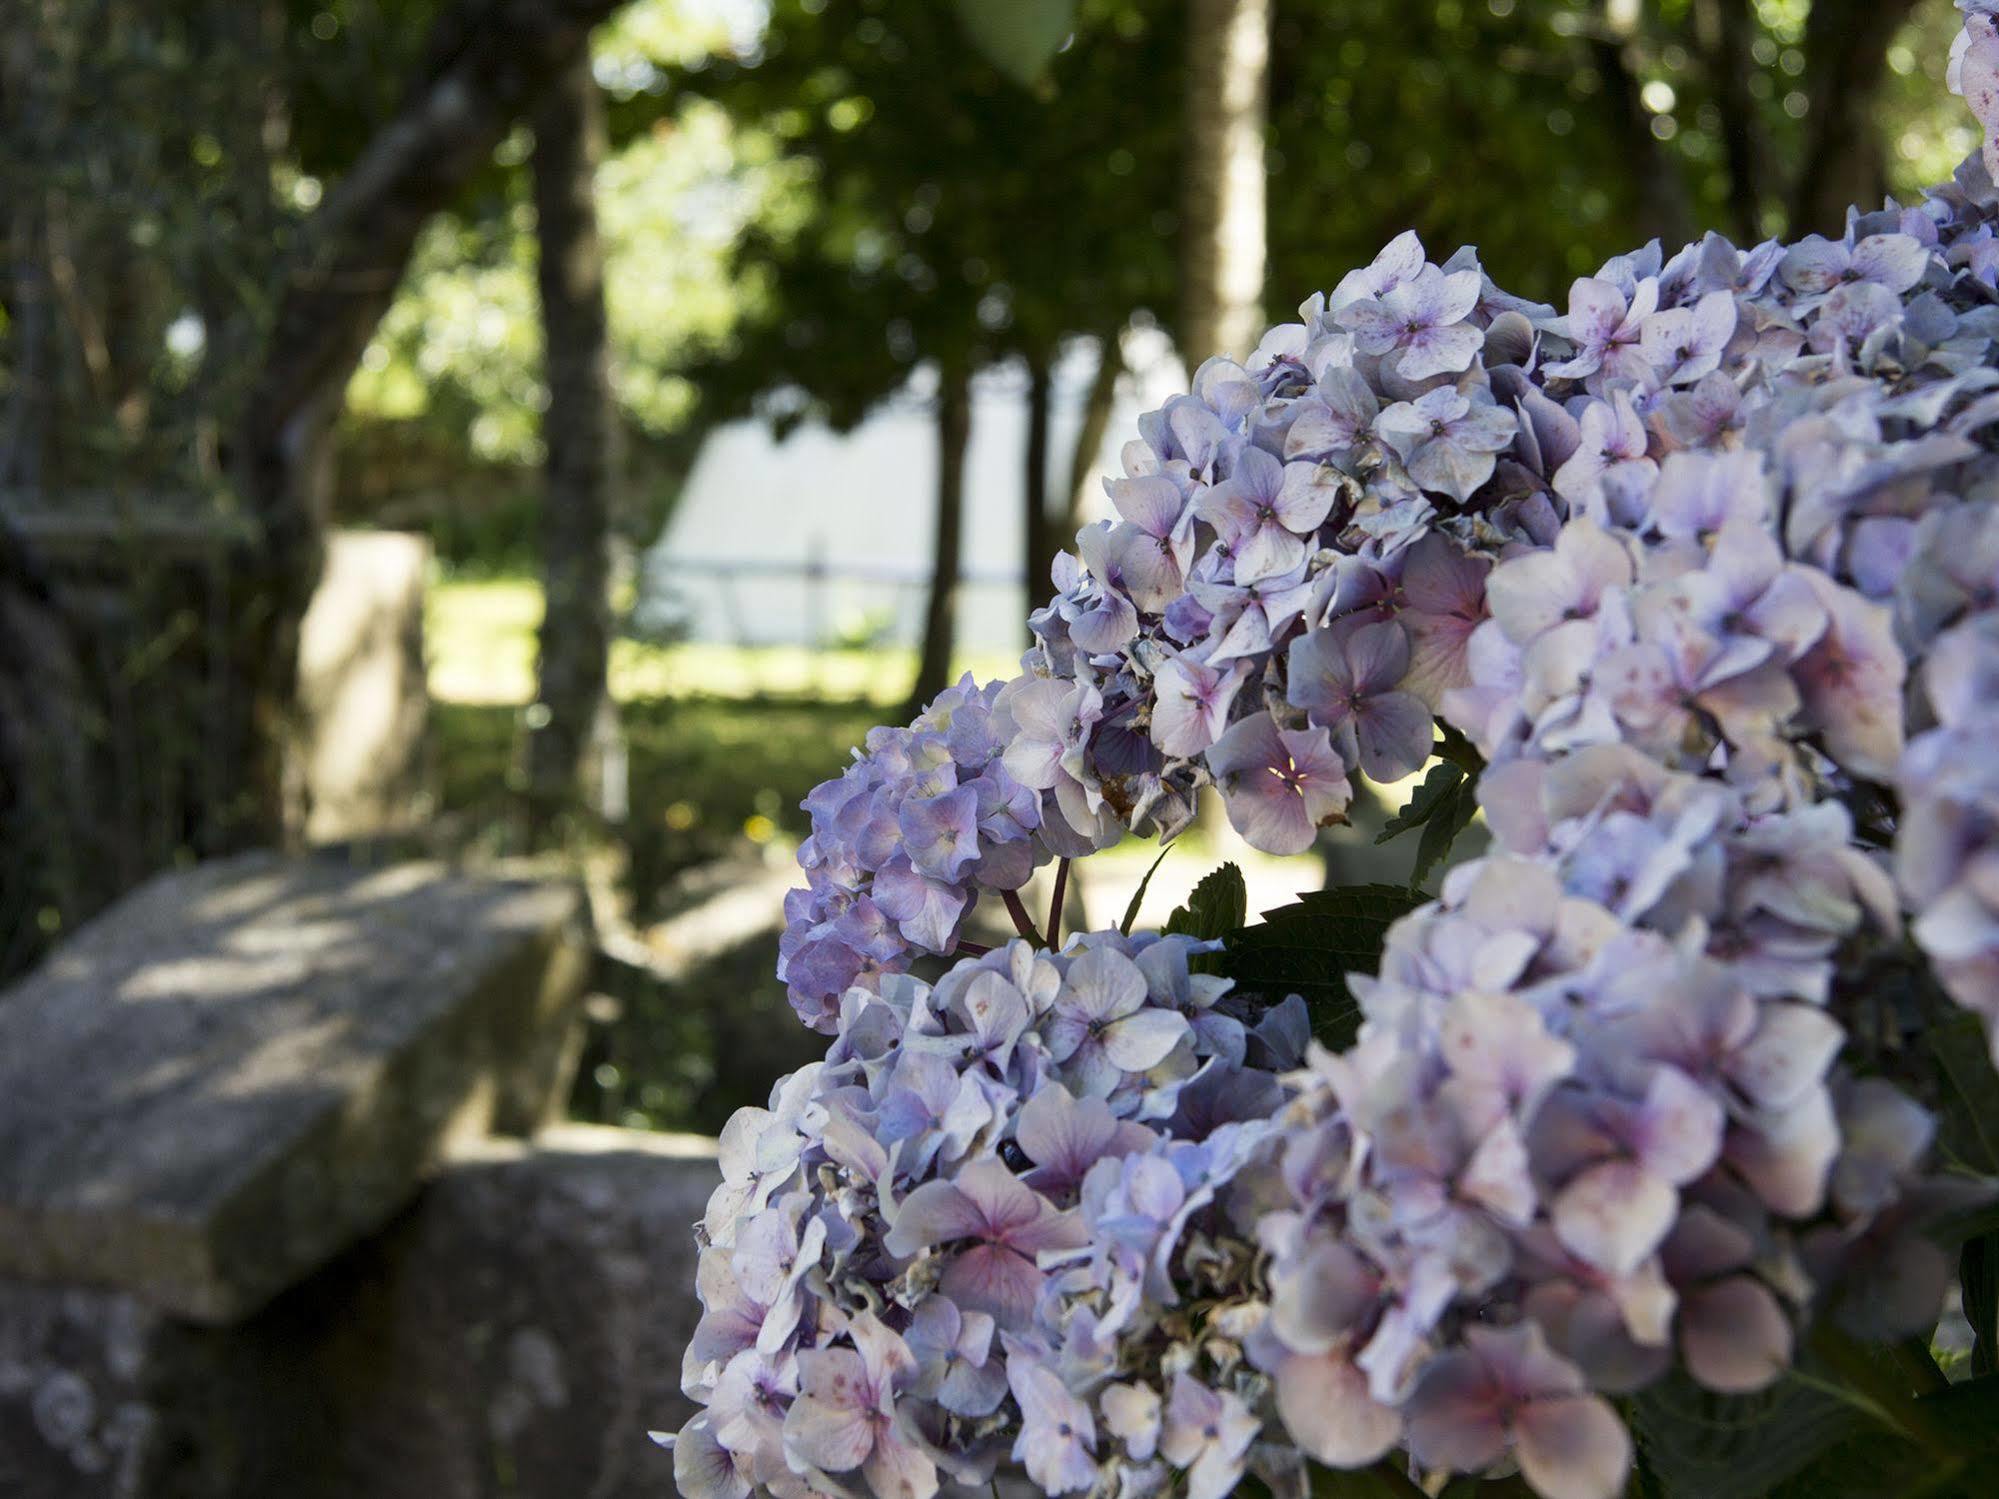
[1280, 785]
[1707, 571]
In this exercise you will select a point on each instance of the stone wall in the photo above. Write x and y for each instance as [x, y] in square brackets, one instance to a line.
[258, 1238]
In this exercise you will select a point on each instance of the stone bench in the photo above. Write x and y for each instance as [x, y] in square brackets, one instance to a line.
[269, 1225]
[517, 1331]
[236, 1071]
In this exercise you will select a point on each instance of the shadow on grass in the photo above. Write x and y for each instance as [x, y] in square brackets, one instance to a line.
[709, 778]
[687, 1054]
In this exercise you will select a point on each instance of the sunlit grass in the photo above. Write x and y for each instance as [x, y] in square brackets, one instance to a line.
[481, 642]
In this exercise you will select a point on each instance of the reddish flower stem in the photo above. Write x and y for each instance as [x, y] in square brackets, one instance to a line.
[1054, 927]
[970, 949]
[1022, 922]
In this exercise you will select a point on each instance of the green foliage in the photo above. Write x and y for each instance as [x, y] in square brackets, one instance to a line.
[1382, 1480]
[1968, 1109]
[1310, 947]
[1818, 1433]
[1443, 807]
[1138, 896]
[1218, 905]
[1978, 1275]
[1693, 1442]
[955, 216]
[1018, 38]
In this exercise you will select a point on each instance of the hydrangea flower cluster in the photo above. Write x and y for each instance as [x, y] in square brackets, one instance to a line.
[903, 842]
[1703, 571]
[977, 1196]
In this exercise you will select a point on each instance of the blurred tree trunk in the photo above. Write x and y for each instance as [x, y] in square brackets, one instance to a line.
[1097, 408]
[580, 437]
[940, 615]
[1040, 529]
[486, 62]
[1846, 56]
[1222, 217]
[1724, 29]
[49, 818]
[1663, 209]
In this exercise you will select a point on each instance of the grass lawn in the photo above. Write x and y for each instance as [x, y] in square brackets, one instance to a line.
[481, 639]
[710, 776]
[724, 742]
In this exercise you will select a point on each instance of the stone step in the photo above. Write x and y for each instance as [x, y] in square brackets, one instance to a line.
[240, 1069]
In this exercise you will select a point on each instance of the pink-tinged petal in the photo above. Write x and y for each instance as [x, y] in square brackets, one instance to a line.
[1051, 1230]
[1679, 1127]
[897, 1470]
[1978, 81]
[1394, 731]
[1131, 1414]
[1004, 1203]
[1498, 1040]
[854, 1150]
[1895, 261]
[935, 1213]
[1785, 1156]
[1278, 785]
[991, 1279]
[1596, 311]
[1268, 551]
[1440, 351]
[1814, 265]
[1528, 595]
[1319, 1300]
[1497, 1177]
[1438, 578]
[1377, 656]
[1054, 1129]
[830, 1427]
[1268, 816]
[1572, 1447]
[1182, 692]
[1614, 1215]
[1790, 1052]
[1104, 984]
[1152, 503]
[1439, 646]
[1303, 500]
[1454, 1414]
[703, 1468]
[1143, 1040]
[835, 1377]
[1324, 1403]
[1151, 567]
[884, 1355]
[1851, 681]
[1734, 1336]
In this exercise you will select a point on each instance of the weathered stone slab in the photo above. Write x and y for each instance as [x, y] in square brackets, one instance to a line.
[515, 1333]
[532, 1309]
[76, 1414]
[237, 1071]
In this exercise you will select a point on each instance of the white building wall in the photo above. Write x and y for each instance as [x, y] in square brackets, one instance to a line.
[860, 508]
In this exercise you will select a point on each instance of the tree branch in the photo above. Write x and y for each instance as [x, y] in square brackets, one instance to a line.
[487, 63]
